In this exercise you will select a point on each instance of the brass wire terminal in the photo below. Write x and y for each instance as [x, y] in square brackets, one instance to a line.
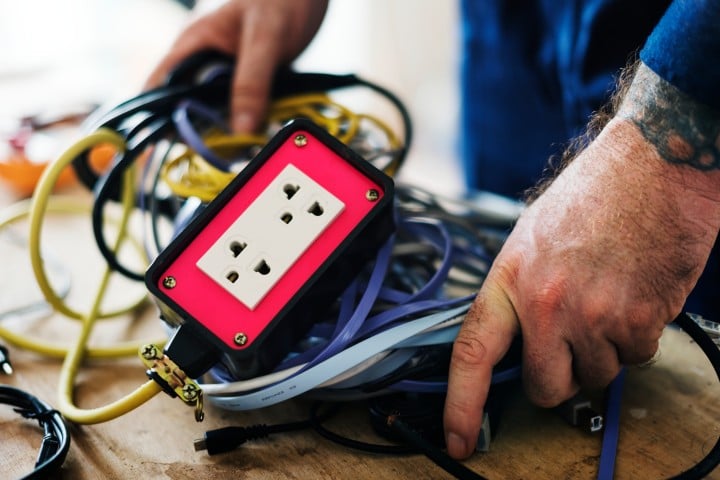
[172, 379]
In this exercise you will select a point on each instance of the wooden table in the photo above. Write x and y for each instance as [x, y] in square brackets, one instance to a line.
[670, 415]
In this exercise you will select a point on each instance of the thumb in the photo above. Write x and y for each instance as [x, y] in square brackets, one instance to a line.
[484, 338]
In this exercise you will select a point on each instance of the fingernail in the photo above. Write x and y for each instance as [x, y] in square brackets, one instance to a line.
[456, 445]
[243, 123]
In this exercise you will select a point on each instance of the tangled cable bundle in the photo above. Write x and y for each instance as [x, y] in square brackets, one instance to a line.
[391, 329]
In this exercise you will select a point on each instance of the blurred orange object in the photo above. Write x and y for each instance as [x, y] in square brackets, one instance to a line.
[37, 140]
[22, 174]
[101, 156]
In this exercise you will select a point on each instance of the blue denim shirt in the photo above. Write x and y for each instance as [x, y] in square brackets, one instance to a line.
[533, 71]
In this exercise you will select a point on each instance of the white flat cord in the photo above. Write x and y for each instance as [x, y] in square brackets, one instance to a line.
[370, 369]
[334, 365]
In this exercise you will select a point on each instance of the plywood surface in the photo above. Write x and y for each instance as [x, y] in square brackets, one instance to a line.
[670, 416]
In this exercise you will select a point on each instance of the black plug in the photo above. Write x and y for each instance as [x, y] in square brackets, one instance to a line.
[5, 364]
[225, 439]
[578, 412]
[48, 448]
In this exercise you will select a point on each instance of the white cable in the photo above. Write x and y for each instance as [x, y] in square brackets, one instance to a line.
[335, 365]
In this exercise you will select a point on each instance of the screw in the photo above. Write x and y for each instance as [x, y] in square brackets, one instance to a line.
[300, 140]
[372, 195]
[240, 339]
[169, 282]
[149, 352]
[190, 392]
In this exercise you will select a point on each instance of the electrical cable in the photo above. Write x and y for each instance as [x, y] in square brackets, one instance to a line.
[76, 353]
[705, 466]
[43, 203]
[317, 423]
[129, 137]
[39, 205]
[56, 438]
[606, 468]
[106, 185]
[440, 458]
[612, 417]
[375, 339]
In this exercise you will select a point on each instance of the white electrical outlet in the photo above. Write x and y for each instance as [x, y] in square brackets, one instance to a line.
[251, 256]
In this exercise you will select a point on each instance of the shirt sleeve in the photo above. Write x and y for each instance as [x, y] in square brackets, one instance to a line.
[684, 49]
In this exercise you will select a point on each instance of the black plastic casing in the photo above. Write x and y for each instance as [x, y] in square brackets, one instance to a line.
[196, 349]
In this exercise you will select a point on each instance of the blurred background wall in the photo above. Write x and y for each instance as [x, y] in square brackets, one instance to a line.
[56, 54]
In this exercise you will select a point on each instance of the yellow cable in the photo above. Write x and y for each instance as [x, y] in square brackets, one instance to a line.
[193, 176]
[111, 411]
[78, 350]
[38, 207]
[189, 175]
[75, 355]
[59, 204]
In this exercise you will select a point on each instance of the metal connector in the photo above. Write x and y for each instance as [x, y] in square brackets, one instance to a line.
[578, 412]
[172, 378]
[711, 328]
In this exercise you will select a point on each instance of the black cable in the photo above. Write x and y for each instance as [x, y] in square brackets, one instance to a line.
[225, 439]
[56, 439]
[703, 468]
[440, 458]
[186, 82]
[317, 423]
[109, 184]
[407, 121]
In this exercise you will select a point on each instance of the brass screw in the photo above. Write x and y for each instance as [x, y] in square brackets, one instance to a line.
[169, 282]
[190, 392]
[149, 352]
[300, 140]
[240, 339]
[372, 195]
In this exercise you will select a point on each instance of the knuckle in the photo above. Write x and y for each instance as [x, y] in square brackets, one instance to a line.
[469, 352]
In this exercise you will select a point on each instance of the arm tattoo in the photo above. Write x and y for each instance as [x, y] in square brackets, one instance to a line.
[682, 130]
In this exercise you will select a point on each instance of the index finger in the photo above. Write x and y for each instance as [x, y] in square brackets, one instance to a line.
[484, 338]
[259, 52]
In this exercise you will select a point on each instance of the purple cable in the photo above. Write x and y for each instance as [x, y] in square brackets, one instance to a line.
[354, 324]
[181, 118]
[420, 386]
[384, 320]
[417, 225]
[346, 334]
[359, 326]
[347, 300]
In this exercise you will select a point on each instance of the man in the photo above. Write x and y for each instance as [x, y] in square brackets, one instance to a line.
[608, 253]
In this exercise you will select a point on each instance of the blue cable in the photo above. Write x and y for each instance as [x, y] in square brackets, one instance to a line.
[608, 451]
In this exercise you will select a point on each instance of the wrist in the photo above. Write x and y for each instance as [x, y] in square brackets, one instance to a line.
[684, 135]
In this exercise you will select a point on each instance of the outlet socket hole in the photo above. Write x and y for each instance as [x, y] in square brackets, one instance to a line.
[232, 276]
[316, 209]
[262, 268]
[237, 247]
[286, 217]
[290, 190]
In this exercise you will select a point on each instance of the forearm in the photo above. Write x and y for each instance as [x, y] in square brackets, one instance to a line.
[684, 136]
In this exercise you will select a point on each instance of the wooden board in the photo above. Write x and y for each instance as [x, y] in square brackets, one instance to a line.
[670, 415]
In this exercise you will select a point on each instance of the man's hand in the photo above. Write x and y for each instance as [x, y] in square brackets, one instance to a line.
[591, 274]
[261, 34]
